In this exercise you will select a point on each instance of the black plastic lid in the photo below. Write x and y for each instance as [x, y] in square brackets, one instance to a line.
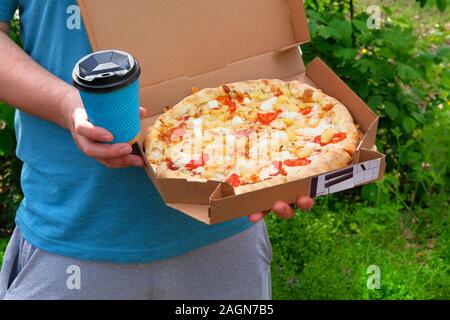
[105, 71]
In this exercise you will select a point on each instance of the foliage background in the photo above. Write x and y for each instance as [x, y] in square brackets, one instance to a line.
[400, 224]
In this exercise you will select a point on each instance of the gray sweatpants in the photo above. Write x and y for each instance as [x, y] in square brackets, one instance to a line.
[237, 267]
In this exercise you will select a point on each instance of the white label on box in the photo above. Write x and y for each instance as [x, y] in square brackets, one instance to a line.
[344, 179]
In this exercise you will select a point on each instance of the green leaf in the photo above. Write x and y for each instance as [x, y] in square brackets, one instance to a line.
[7, 115]
[391, 110]
[345, 53]
[386, 52]
[313, 15]
[312, 27]
[375, 101]
[406, 72]
[388, 10]
[419, 117]
[360, 25]
[441, 4]
[343, 30]
[422, 3]
[409, 124]
[443, 52]
[324, 32]
[6, 143]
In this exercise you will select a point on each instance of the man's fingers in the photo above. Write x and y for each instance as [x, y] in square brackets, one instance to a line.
[88, 130]
[142, 112]
[124, 162]
[255, 217]
[305, 203]
[283, 210]
[103, 151]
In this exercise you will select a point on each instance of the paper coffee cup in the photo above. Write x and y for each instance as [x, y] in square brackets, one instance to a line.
[108, 82]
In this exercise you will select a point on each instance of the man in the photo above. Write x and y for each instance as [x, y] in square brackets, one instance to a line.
[91, 225]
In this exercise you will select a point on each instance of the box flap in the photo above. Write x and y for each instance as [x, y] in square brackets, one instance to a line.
[224, 207]
[173, 38]
[332, 85]
[198, 212]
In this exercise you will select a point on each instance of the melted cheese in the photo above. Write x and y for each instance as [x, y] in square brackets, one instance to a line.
[268, 104]
[213, 104]
[313, 132]
[237, 121]
[280, 137]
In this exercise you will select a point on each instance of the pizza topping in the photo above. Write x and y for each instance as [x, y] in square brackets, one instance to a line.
[291, 133]
[240, 97]
[307, 95]
[268, 104]
[226, 88]
[237, 121]
[335, 138]
[178, 132]
[276, 91]
[280, 137]
[318, 140]
[277, 165]
[316, 127]
[156, 155]
[171, 165]
[232, 107]
[297, 162]
[288, 121]
[338, 137]
[247, 100]
[327, 135]
[195, 90]
[267, 118]
[194, 164]
[328, 106]
[213, 104]
[234, 180]
[225, 100]
[244, 132]
[277, 168]
[303, 152]
[290, 115]
[305, 111]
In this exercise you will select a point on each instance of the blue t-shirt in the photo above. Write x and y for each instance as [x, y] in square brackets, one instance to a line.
[73, 205]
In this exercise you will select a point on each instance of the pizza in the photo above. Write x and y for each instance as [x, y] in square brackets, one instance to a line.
[252, 135]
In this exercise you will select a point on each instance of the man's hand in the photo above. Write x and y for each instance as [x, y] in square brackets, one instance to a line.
[89, 138]
[283, 210]
[32, 89]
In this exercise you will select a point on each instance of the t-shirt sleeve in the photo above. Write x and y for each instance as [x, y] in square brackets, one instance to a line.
[7, 9]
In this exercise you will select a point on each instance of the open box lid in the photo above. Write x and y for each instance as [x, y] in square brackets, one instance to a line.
[173, 39]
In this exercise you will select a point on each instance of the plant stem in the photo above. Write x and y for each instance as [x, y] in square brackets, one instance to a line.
[351, 9]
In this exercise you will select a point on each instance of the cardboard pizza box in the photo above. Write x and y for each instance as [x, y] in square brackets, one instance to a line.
[205, 43]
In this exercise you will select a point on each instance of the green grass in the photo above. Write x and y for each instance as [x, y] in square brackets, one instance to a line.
[3, 243]
[324, 254]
